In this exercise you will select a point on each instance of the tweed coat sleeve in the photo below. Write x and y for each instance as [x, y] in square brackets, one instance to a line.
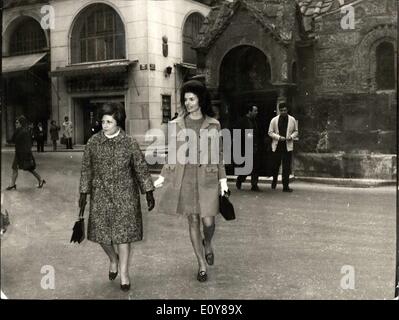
[140, 167]
[86, 175]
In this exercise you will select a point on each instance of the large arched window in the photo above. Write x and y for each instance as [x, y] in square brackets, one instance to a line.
[28, 37]
[191, 30]
[385, 63]
[98, 35]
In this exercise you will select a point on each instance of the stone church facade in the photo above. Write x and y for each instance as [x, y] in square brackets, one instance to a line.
[333, 61]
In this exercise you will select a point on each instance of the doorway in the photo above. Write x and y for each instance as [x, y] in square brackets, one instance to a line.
[87, 112]
[245, 80]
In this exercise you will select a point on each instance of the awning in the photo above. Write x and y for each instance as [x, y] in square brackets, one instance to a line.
[186, 65]
[84, 69]
[21, 63]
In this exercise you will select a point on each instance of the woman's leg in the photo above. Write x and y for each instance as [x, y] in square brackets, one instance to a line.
[54, 145]
[209, 231]
[14, 177]
[195, 236]
[36, 175]
[124, 253]
[110, 251]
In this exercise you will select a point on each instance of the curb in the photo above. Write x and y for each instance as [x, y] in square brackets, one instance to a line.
[348, 182]
[337, 182]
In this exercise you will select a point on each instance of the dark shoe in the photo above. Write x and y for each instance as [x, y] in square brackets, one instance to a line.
[238, 184]
[210, 257]
[125, 287]
[202, 276]
[255, 188]
[41, 184]
[274, 184]
[287, 190]
[12, 187]
[112, 275]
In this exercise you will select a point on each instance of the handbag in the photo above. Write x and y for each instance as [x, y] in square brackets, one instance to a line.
[29, 163]
[226, 208]
[78, 233]
[63, 140]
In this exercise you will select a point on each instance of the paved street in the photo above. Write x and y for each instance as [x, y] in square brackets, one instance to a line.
[282, 246]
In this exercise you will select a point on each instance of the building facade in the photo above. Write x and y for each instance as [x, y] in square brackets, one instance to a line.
[333, 61]
[137, 53]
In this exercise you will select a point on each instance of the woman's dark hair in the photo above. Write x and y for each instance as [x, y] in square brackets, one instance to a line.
[116, 110]
[53, 122]
[22, 121]
[199, 89]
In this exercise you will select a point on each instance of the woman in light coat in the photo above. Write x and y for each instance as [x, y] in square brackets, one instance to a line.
[114, 172]
[194, 170]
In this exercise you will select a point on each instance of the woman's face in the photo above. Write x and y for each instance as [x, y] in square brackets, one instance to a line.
[17, 124]
[191, 102]
[109, 125]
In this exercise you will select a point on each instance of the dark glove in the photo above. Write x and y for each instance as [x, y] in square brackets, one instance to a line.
[82, 200]
[150, 200]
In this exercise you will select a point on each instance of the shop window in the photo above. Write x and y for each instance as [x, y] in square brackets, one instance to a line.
[166, 109]
[27, 38]
[385, 73]
[98, 35]
[191, 30]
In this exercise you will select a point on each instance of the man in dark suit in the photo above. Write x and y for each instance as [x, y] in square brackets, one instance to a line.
[249, 122]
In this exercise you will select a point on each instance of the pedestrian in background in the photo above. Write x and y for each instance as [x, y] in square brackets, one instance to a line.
[67, 132]
[192, 184]
[54, 129]
[39, 137]
[283, 130]
[113, 173]
[23, 158]
[248, 122]
[96, 127]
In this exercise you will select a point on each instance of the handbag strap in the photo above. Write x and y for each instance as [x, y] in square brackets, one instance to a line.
[81, 213]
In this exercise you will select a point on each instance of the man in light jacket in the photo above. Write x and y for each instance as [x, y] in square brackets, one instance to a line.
[283, 130]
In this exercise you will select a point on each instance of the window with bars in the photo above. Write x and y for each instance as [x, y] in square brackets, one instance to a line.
[166, 108]
[385, 74]
[191, 30]
[98, 35]
[27, 38]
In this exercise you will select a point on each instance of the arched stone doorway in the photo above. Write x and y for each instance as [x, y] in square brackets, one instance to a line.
[245, 80]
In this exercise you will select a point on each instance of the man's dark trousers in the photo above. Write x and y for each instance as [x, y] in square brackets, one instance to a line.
[285, 157]
[255, 171]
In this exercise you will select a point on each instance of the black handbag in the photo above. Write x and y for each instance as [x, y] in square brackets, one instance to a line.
[226, 208]
[78, 233]
[28, 163]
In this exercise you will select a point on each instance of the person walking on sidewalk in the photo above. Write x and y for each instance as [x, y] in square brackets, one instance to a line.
[23, 158]
[249, 122]
[113, 173]
[283, 130]
[192, 182]
[39, 137]
[67, 132]
[54, 129]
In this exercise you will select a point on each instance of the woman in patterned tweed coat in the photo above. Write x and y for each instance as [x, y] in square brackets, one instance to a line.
[113, 172]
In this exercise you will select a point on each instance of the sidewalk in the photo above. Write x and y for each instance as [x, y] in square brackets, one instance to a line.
[47, 148]
[156, 170]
